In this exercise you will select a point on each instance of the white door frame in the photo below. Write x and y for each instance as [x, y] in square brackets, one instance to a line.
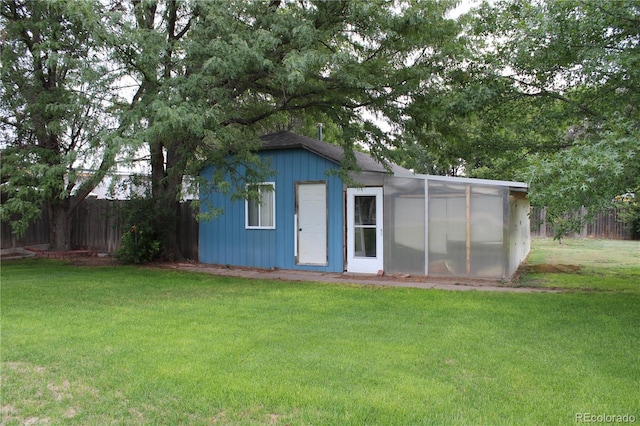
[310, 221]
[360, 261]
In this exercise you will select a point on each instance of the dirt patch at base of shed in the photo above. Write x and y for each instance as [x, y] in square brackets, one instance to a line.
[547, 268]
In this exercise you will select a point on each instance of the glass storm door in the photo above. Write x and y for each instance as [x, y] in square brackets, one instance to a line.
[364, 230]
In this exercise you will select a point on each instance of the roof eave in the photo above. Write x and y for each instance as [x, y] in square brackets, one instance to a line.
[515, 186]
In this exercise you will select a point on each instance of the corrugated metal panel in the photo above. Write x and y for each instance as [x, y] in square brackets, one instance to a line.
[224, 240]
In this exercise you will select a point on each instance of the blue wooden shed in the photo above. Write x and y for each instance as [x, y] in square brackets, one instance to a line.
[392, 220]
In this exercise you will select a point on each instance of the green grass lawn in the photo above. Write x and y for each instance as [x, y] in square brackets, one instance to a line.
[124, 345]
[608, 265]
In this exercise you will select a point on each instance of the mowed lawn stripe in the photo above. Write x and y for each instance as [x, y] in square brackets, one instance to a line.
[139, 346]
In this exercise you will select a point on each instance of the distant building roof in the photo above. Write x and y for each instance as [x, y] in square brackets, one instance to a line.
[288, 140]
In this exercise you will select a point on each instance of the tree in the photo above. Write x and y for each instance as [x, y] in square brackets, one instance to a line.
[55, 98]
[213, 75]
[147, 38]
[561, 81]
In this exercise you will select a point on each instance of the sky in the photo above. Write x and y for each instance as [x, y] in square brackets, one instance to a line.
[463, 7]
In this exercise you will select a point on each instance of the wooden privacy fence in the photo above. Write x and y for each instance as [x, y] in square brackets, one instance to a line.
[605, 225]
[97, 225]
[37, 233]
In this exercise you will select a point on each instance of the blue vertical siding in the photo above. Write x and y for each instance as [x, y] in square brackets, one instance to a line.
[224, 239]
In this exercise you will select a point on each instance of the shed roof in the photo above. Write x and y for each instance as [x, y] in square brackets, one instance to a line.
[288, 140]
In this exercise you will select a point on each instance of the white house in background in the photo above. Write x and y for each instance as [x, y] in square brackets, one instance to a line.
[124, 185]
[119, 186]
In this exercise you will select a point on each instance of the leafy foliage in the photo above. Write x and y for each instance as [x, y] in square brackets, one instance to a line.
[630, 213]
[559, 88]
[588, 173]
[213, 76]
[57, 91]
[547, 92]
[140, 244]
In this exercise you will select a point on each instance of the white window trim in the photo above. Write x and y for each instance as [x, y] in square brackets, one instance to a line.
[273, 203]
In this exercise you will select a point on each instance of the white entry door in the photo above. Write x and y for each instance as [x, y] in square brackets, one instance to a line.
[364, 230]
[311, 228]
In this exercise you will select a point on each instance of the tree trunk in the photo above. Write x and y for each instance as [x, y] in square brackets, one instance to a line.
[166, 187]
[168, 229]
[59, 226]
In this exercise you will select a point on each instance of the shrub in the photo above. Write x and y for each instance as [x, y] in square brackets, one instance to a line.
[140, 244]
[629, 214]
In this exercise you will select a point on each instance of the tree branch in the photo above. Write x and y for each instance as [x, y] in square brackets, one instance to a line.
[546, 93]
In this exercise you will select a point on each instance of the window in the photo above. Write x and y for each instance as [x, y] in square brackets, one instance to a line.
[260, 212]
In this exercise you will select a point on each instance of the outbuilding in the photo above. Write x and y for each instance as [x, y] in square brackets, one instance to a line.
[385, 219]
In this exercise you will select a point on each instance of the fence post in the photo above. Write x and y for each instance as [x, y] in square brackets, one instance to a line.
[543, 224]
[583, 231]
